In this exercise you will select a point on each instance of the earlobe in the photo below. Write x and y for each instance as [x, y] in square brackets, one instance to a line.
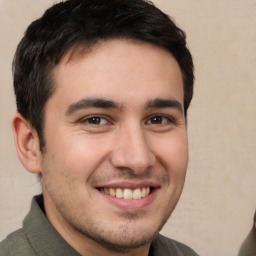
[27, 144]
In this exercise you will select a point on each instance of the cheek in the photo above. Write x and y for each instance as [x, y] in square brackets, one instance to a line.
[173, 153]
[80, 155]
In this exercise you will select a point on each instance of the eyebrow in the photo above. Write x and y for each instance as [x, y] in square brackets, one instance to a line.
[109, 104]
[164, 103]
[92, 103]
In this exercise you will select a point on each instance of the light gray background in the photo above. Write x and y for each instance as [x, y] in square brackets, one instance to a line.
[216, 209]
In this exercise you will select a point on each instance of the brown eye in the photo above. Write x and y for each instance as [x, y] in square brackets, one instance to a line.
[95, 120]
[158, 120]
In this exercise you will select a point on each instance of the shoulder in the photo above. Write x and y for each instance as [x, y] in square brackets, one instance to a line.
[16, 244]
[164, 245]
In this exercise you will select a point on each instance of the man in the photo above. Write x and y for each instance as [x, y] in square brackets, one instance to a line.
[102, 90]
[248, 247]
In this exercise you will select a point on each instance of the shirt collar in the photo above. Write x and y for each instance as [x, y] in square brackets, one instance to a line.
[44, 239]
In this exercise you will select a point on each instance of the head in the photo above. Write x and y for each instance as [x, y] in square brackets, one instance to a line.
[77, 26]
[103, 88]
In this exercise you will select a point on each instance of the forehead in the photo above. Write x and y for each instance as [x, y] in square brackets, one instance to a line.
[118, 68]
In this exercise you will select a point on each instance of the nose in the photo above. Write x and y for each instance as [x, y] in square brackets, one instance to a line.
[132, 150]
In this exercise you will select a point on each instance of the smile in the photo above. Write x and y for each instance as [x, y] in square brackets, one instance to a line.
[126, 193]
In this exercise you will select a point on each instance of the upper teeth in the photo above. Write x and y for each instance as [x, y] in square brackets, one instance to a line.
[127, 193]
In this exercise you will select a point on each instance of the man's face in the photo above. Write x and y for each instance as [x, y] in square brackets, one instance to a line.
[116, 144]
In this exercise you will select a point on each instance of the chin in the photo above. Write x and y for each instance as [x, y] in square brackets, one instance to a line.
[124, 240]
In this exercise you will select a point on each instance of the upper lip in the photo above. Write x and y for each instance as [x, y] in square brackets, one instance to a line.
[129, 184]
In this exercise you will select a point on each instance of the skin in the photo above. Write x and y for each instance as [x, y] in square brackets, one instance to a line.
[134, 137]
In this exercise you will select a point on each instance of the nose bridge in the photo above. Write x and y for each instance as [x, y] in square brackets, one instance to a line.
[132, 149]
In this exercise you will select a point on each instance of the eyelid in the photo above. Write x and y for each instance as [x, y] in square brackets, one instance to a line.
[87, 118]
[171, 119]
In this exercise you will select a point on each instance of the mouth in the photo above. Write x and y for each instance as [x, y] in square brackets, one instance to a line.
[127, 193]
[129, 196]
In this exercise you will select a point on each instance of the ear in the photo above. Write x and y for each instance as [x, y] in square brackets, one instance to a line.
[27, 144]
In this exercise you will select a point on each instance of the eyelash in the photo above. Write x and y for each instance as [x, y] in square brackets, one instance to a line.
[96, 120]
[161, 117]
[91, 120]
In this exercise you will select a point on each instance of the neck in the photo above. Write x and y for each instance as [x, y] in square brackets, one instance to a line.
[92, 248]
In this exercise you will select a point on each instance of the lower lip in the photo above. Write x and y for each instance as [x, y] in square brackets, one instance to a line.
[131, 204]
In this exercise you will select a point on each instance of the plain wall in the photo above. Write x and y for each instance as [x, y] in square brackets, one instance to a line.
[216, 208]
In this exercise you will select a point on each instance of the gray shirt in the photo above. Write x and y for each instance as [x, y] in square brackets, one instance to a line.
[38, 237]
